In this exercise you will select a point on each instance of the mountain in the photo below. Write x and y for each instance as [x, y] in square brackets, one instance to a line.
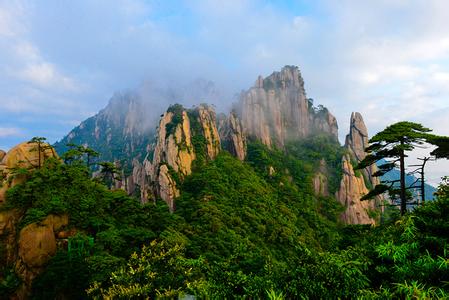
[120, 132]
[275, 112]
[239, 204]
[409, 180]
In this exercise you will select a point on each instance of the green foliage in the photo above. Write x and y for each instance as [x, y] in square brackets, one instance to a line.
[252, 229]
[198, 140]
[9, 281]
[176, 110]
[159, 270]
[110, 141]
[313, 150]
[119, 225]
[392, 144]
[65, 276]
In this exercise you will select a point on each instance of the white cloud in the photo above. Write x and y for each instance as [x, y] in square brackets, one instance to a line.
[10, 14]
[10, 131]
[44, 74]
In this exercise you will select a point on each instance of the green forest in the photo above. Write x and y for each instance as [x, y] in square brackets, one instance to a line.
[239, 231]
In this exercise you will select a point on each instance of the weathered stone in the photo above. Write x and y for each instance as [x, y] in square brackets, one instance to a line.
[168, 190]
[352, 189]
[36, 245]
[207, 119]
[276, 110]
[356, 142]
[174, 152]
[2, 154]
[24, 155]
[8, 222]
[231, 133]
[320, 181]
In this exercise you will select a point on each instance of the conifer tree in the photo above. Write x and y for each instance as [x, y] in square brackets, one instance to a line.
[392, 144]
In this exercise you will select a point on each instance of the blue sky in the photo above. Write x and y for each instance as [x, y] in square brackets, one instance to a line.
[61, 61]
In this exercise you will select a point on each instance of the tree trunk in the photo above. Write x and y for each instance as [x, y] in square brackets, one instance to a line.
[403, 194]
[423, 187]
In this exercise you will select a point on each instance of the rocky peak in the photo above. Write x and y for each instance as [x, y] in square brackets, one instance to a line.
[288, 77]
[176, 150]
[352, 189]
[357, 139]
[276, 109]
[25, 156]
[121, 131]
[207, 118]
[232, 136]
[355, 184]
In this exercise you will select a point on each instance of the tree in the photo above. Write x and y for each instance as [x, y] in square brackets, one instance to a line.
[90, 153]
[442, 143]
[41, 148]
[77, 152]
[392, 144]
[109, 173]
[420, 171]
[159, 271]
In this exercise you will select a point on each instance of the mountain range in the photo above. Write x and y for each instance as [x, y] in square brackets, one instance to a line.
[156, 157]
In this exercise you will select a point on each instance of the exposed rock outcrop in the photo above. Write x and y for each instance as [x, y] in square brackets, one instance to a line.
[356, 142]
[37, 243]
[8, 221]
[175, 151]
[352, 188]
[24, 155]
[232, 136]
[276, 109]
[207, 119]
[2, 154]
[320, 181]
[355, 184]
[29, 250]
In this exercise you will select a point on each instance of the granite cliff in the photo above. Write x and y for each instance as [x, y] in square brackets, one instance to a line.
[276, 110]
[28, 249]
[356, 183]
[183, 136]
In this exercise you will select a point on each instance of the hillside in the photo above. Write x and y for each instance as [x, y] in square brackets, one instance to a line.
[261, 202]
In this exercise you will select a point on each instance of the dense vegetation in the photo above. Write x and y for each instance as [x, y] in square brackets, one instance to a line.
[241, 229]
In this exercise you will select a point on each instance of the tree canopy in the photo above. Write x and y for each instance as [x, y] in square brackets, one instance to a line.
[392, 145]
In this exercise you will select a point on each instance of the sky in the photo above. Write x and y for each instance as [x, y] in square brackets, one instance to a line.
[62, 60]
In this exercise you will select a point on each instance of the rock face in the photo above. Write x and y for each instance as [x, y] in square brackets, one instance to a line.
[356, 142]
[8, 221]
[175, 150]
[30, 249]
[276, 110]
[352, 188]
[354, 185]
[37, 243]
[320, 182]
[232, 136]
[24, 155]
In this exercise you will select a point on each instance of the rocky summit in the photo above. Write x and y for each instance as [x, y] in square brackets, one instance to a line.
[276, 110]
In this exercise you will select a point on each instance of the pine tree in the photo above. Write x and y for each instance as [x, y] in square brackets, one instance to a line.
[392, 144]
